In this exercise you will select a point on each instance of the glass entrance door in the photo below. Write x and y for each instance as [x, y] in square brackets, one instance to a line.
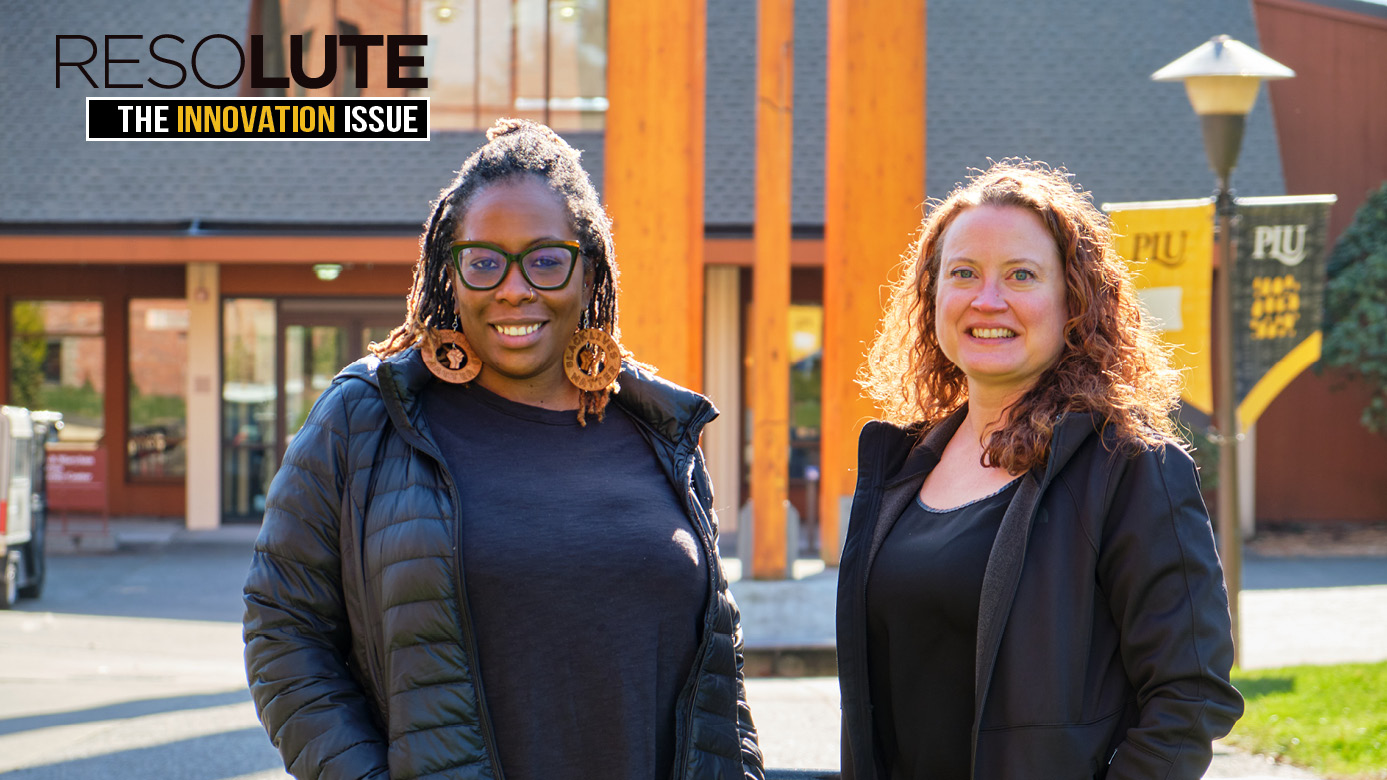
[317, 339]
[299, 345]
[313, 354]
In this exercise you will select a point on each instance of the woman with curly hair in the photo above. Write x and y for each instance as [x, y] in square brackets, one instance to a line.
[490, 551]
[1029, 586]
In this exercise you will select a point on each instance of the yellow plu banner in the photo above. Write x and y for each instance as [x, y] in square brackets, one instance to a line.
[1169, 246]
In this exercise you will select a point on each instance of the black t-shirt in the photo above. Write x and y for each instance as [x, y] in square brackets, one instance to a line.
[586, 581]
[922, 627]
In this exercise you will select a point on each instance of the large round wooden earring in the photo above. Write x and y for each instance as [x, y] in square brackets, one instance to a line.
[449, 356]
[592, 360]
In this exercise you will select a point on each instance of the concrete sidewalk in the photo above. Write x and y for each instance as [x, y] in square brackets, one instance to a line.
[132, 659]
[1294, 611]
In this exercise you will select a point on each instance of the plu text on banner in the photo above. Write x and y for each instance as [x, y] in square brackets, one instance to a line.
[1278, 295]
[1169, 248]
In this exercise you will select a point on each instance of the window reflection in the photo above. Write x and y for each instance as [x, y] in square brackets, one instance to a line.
[313, 354]
[58, 363]
[157, 403]
[806, 374]
[544, 60]
[248, 405]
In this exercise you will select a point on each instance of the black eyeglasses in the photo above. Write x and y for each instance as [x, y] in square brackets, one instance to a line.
[546, 266]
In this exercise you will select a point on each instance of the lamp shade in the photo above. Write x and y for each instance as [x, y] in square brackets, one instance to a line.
[1222, 75]
[1222, 94]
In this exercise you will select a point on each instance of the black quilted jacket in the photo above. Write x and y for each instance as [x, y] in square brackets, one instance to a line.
[359, 646]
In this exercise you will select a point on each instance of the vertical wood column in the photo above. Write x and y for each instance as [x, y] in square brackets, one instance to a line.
[770, 360]
[874, 186]
[654, 179]
[204, 486]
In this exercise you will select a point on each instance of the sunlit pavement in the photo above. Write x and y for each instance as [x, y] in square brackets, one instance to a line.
[130, 665]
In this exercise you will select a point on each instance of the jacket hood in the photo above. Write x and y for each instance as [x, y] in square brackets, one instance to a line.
[673, 412]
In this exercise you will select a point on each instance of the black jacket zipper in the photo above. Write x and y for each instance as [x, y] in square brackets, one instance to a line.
[415, 439]
[702, 524]
[468, 634]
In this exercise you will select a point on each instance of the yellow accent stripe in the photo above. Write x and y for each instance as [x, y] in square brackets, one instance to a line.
[1274, 381]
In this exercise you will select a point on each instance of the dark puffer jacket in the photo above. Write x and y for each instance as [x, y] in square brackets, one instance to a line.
[359, 646]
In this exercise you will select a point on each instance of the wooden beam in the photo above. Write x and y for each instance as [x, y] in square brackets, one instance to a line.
[127, 249]
[804, 252]
[874, 187]
[770, 385]
[654, 179]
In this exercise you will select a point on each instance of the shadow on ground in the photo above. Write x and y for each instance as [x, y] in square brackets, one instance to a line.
[1277, 573]
[230, 754]
[125, 709]
[176, 580]
[1255, 689]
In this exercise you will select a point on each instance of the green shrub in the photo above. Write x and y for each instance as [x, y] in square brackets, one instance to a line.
[1355, 327]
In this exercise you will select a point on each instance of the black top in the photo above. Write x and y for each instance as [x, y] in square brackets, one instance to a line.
[586, 582]
[922, 624]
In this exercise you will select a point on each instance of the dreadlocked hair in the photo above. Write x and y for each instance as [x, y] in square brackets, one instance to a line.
[1111, 363]
[514, 148]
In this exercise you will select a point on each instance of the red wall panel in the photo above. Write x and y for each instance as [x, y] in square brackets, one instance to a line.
[1315, 462]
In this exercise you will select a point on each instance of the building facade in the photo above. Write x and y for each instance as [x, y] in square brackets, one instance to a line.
[184, 303]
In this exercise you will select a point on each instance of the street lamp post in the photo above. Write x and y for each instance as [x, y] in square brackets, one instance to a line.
[1222, 77]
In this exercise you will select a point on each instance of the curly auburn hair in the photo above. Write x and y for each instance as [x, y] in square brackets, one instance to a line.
[1111, 362]
[514, 148]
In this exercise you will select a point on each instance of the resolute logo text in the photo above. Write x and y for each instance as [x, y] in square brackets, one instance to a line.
[247, 118]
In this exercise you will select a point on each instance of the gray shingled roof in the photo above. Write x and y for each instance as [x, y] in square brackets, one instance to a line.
[1070, 83]
[1066, 81]
[730, 156]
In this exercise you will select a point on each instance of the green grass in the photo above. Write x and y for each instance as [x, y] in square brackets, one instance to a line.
[1329, 719]
[155, 409]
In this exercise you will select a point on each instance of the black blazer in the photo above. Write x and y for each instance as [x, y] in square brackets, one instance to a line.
[1104, 639]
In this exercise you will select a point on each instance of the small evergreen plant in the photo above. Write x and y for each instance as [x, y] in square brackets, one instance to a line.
[1355, 328]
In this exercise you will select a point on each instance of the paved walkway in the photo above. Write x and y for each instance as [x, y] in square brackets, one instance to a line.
[130, 666]
[1294, 610]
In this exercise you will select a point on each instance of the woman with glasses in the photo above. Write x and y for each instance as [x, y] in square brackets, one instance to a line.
[491, 552]
[1029, 586]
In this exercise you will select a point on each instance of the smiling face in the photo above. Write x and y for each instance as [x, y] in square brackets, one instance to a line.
[519, 334]
[1000, 299]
